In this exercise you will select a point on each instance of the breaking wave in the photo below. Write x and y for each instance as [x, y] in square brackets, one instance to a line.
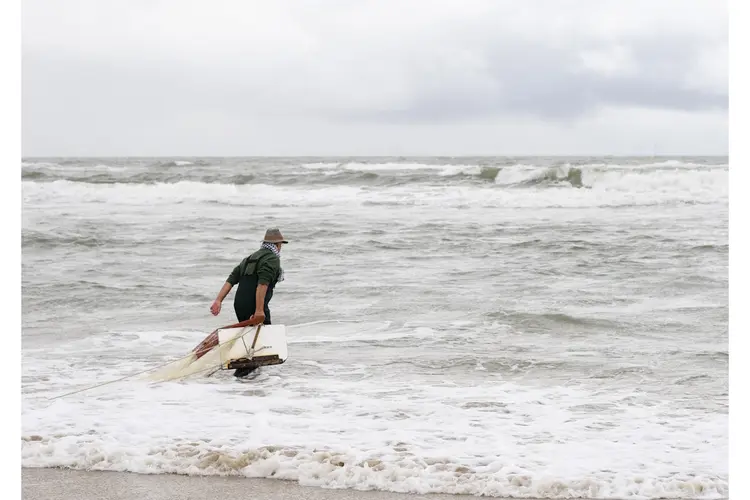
[533, 188]
[627, 175]
[399, 470]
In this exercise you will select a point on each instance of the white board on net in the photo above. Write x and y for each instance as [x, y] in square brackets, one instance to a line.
[255, 345]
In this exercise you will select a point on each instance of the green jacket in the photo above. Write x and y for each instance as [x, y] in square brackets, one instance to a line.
[265, 261]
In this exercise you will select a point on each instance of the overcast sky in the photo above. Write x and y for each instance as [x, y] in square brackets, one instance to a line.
[387, 77]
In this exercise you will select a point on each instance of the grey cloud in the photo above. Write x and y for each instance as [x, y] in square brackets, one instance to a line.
[549, 83]
[526, 81]
[116, 85]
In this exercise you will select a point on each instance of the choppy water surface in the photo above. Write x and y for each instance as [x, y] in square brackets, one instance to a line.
[525, 327]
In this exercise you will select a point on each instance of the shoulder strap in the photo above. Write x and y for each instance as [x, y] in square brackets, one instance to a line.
[249, 260]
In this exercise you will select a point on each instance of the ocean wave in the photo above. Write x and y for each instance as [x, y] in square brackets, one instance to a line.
[496, 364]
[558, 320]
[603, 190]
[38, 164]
[38, 239]
[395, 470]
[597, 175]
[613, 178]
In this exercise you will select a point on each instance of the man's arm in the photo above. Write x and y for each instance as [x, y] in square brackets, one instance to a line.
[234, 276]
[232, 280]
[266, 272]
[224, 291]
[216, 306]
[260, 300]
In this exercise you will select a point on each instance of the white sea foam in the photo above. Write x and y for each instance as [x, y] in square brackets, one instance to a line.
[38, 164]
[509, 174]
[494, 438]
[321, 166]
[378, 430]
[396, 168]
[389, 167]
[596, 188]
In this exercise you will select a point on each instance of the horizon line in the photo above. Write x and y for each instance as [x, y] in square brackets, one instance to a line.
[724, 155]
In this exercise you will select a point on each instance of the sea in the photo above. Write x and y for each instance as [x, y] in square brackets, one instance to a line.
[518, 327]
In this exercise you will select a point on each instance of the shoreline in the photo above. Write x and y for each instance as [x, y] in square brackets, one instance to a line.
[71, 484]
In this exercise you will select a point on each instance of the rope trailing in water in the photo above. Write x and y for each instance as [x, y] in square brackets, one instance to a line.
[197, 351]
[192, 353]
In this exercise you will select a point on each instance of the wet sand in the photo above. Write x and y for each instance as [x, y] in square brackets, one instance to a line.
[65, 484]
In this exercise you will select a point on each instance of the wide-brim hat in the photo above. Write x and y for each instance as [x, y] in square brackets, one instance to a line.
[273, 235]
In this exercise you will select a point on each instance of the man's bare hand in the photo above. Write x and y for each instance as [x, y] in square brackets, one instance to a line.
[216, 308]
[257, 318]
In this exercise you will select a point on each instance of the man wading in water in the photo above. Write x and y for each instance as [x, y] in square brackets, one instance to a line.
[257, 276]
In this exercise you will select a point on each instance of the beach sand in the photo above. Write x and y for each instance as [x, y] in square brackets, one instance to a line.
[65, 484]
